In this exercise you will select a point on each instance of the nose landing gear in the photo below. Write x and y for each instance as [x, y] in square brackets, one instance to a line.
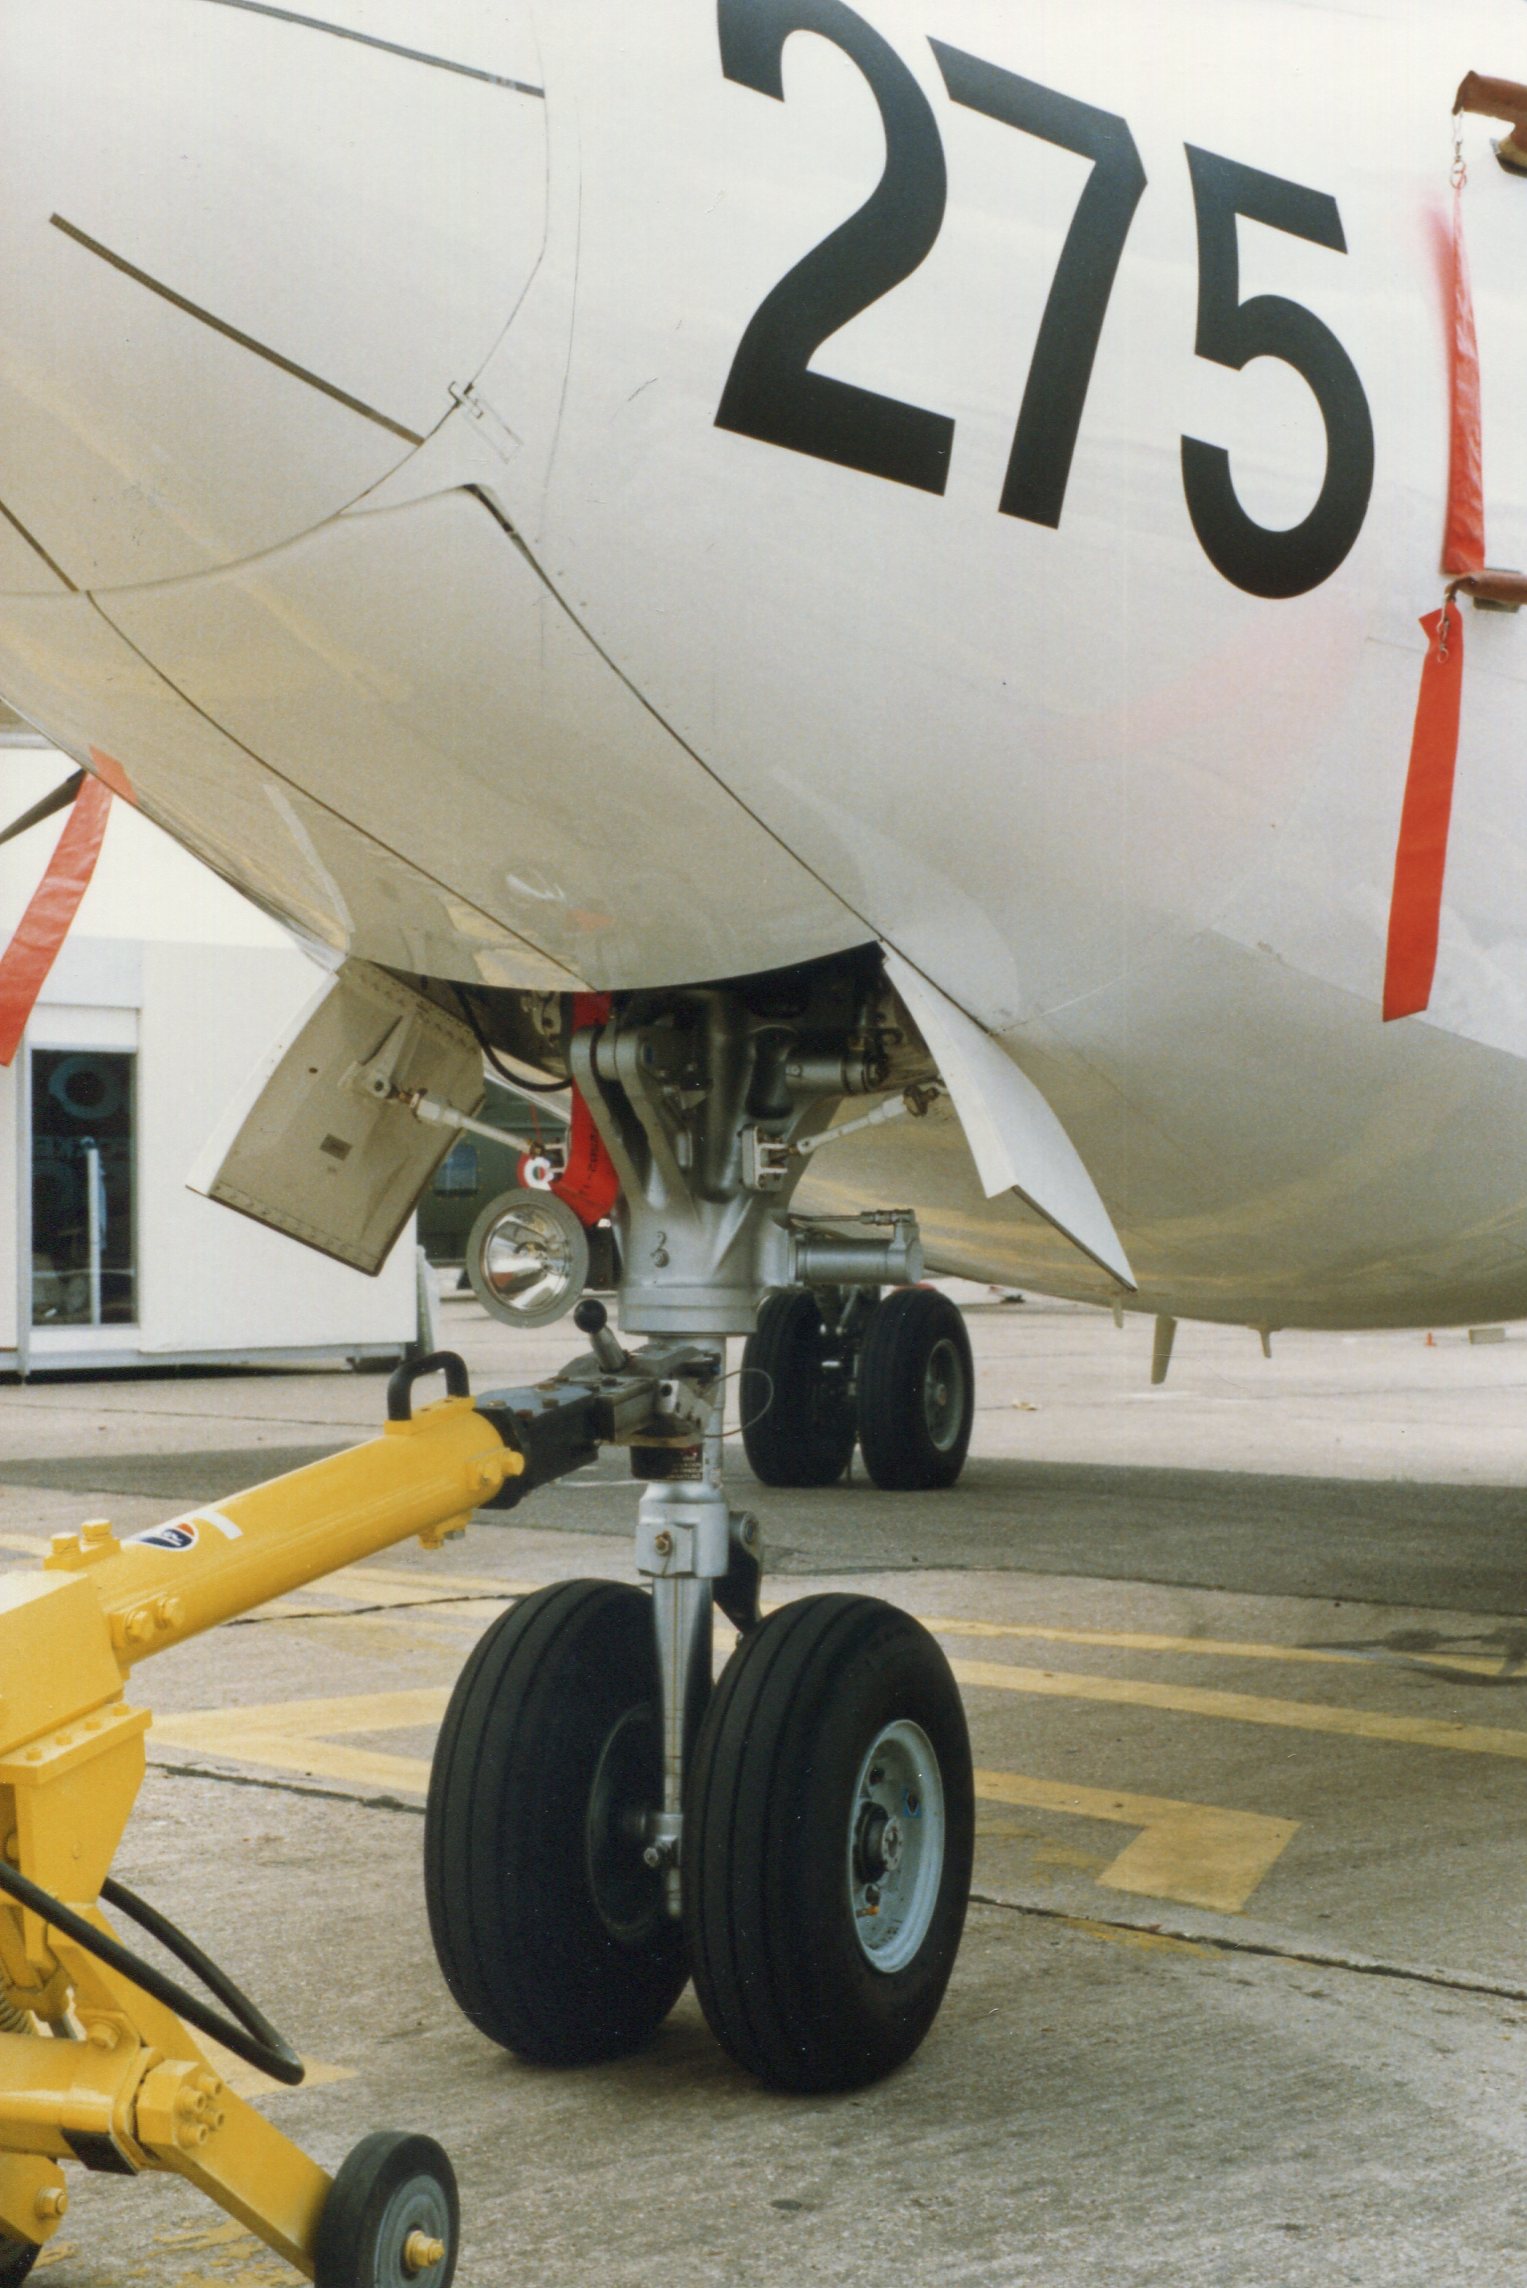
[601, 1822]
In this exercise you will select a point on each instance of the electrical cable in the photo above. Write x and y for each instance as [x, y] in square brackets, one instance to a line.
[247, 2032]
[511, 1079]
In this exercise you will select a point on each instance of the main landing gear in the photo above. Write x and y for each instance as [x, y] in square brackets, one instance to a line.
[602, 1822]
[822, 1372]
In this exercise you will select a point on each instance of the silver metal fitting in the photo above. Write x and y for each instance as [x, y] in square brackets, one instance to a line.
[834, 1259]
[765, 1161]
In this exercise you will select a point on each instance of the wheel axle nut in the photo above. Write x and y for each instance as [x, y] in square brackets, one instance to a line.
[421, 2250]
[52, 2201]
[663, 1543]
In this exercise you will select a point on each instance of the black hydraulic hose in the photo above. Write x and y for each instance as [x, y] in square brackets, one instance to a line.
[511, 1079]
[247, 2032]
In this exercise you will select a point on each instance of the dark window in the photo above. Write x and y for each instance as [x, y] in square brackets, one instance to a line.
[457, 1172]
[84, 1252]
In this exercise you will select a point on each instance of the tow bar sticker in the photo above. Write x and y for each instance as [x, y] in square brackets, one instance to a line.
[184, 1532]
[181, 1534]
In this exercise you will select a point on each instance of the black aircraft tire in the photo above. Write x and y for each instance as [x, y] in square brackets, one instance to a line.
[917, 1392]
[797, 1413]
[550, 1930]
[782, 1784]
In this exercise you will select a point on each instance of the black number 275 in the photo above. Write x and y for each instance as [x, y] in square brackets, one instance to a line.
[771, 392]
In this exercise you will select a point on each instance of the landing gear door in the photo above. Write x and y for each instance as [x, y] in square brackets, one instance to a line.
[1015, 1139]
[317, 1147]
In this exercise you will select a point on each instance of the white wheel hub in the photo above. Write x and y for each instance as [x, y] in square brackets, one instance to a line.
[896, 1845]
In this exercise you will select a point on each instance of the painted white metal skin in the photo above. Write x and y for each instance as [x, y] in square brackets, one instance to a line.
[581, 687]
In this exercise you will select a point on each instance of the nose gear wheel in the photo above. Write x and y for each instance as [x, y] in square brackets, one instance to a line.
[548, 1924]
[787, 1830]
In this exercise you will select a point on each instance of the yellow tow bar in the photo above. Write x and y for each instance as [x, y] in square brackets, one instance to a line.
[93, 2067]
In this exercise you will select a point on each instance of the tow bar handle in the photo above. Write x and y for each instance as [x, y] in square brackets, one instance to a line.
[400, 1383]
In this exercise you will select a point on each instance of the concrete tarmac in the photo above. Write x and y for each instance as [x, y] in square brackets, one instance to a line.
[1243, 1996]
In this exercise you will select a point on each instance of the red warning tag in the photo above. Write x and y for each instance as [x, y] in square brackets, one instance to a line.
[1415, 912]
[43, 927]
[1463, 548]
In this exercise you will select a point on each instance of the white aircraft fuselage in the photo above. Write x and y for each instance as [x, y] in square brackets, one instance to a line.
[553, 494]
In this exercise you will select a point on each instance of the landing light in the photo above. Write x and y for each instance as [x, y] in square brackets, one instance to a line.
[528, 1258]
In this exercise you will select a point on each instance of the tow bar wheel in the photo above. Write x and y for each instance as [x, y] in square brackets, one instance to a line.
[17, 2258]
[392, 2219]
[828, 1842]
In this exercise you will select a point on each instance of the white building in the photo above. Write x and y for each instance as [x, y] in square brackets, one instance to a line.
[168, 991]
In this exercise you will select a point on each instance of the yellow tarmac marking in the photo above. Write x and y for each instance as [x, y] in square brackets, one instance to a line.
[358, 1586]
[1139, 1941]
[387, 1586]
[463, 1584]
[1213, 1648]
[397, 1588]
[247, 2081]
[1191, 1852]
[1245, 1708]
[367, 1577]
[300, 1735]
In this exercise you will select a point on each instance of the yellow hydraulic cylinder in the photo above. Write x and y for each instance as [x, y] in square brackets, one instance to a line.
[424, 1476]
